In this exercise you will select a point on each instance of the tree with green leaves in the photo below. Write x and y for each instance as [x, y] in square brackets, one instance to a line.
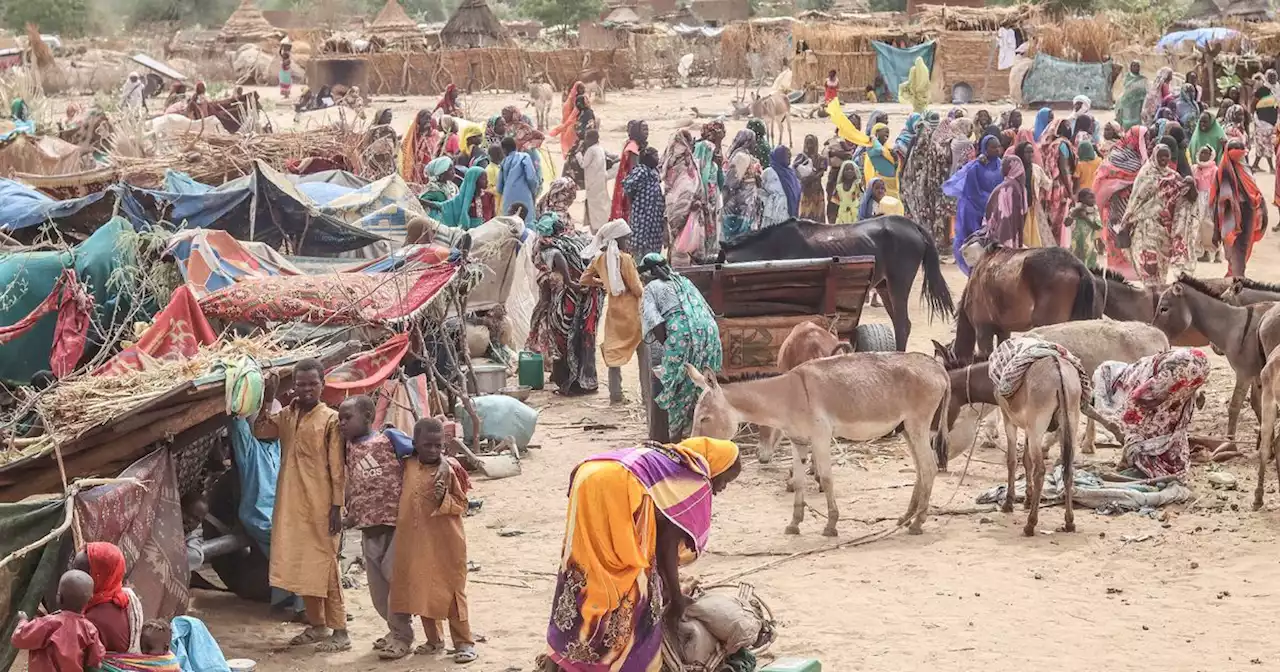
[67, 17]
[561, 12]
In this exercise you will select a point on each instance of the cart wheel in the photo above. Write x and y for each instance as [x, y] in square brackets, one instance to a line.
[875, 338]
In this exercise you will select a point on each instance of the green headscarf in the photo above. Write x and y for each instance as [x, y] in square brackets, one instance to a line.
[456, 212]
[548, 225]
[762, 148]
[18, 109]
[1215, 137]
[1086, 152]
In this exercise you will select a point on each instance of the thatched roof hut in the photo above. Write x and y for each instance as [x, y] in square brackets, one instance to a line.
[393, 25]
[247, 24]
[473, 26]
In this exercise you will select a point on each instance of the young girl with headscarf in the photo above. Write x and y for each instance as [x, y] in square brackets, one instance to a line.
[1205, 173]
[880, 161]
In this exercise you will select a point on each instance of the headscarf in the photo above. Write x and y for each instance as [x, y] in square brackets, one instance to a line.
[106, 566]
[762, 149]
[18, 109]
[1044, 118]
[456, 212]
[1156, 95]
[1084, 103]
[1187, 107]
[1086, 151]
[882, 160]
[1237, 201]
[567, 131]
[1008, 204]
[557, 200]
[448, 98]
[744, 140]
[847, 197]
[778, 161]
[439, 166]
[962, 145]
[915, 90]
[1205, 171]
[491, 135]
[718, 455]
[1178, 154]
[469, 131]
[605, 242]
[866, 207]
[712, 130]
[908, 134]
[981, 121]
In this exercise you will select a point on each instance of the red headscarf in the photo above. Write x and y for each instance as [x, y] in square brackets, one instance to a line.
[106, 566]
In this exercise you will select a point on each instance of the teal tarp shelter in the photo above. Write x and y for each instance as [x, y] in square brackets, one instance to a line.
[27, 278]
[1053, 80]
[893, 63]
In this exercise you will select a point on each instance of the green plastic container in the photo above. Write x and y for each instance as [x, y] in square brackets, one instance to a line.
[793, 665]
[529, 369]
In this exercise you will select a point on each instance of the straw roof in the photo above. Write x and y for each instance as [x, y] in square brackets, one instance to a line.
[247, 24]
[974, 18]
[473, 25]
[392, 24]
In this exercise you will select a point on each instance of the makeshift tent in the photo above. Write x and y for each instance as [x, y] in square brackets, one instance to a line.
[175, 334]
[473, 26]
[211, 260]
[40, 155]
[263, 207]
[29, 277]
[366, 372]
[1053, 80]
[24, 210]
[383, 207]
[334, 298]
[893, 63]
[26, 580]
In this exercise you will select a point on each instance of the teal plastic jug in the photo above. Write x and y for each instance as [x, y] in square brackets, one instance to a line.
[529, 370]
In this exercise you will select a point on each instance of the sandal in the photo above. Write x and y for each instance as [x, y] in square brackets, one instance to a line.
[381, 643]
[395, 649]
[309, 636]
[429, 649]
[464, 655]
[334, 643]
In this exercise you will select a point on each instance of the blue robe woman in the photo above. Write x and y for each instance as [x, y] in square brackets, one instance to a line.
[972, 187]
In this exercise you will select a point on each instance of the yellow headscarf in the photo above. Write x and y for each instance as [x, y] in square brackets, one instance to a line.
[916, 89]
[467, 132]
[717, 454]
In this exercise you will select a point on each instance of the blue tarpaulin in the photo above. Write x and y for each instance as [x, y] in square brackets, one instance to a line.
[22, 207]
[1203, 37]
[893, 63]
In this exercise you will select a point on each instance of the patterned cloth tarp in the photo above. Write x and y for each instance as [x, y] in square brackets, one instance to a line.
[366, 371]
[24, 582]
[29, 277]
[333, 298]
[1011, 360]
[145, 521]
[177, 333]
[893, 63]
[383, 207]
[408, 256]
[1053, 80]
[211, 260]
[74, 307]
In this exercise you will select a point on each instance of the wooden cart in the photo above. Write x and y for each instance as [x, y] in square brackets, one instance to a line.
[757, 304]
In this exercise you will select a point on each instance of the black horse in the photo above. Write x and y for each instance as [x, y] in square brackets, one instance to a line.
[899, 245]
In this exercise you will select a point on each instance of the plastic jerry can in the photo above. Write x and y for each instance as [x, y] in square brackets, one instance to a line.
[529, 370]
[793, 665]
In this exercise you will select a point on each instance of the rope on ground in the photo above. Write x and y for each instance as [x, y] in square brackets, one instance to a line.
[858, 541]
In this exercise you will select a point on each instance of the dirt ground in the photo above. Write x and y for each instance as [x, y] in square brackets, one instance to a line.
[1182, 590]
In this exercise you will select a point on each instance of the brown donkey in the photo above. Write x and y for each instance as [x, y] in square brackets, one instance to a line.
[860, 396]
[806, 342]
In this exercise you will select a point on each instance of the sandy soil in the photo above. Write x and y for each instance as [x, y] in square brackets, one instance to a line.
[1184, 590]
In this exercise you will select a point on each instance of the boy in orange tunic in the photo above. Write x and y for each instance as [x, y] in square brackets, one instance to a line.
[429, 570]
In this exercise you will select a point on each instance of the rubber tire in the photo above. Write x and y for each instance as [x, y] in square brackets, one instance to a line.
[244, 575]
[875, 338]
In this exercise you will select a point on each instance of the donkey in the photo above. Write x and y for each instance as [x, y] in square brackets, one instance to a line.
[1016, 290]
[1098, 341]
[1244, 292]
[1269, 381]
[806, 342]
[775, 110]
[1244, 334]
[541, 95]
[900, 246]
[859, 396]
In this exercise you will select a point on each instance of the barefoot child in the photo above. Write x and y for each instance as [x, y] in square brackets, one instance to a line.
[64, 641]
[430, 566]
[374, 476]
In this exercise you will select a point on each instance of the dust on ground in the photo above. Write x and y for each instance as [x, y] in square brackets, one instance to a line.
[1190, 588]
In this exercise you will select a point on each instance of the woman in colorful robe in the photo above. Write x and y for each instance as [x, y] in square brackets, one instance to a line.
[1113, 186]
[1161, 219]
[1240, 214]
[631, 513]
[972, 187]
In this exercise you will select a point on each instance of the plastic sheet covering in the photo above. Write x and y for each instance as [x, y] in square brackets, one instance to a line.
[1053, 80]
[893, 63]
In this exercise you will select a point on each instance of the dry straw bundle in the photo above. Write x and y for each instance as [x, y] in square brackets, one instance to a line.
[974, 18]
[1087, 39]
[216, 159]
[78, 404]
